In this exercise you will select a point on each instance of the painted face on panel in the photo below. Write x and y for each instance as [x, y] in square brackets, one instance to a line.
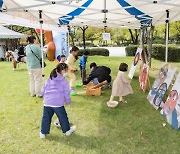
[171, 102]
[161, 76]
[160, 94]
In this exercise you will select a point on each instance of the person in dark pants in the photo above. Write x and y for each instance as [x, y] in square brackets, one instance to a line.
[55, 92]
[99, 75]
[82, 65]
[21, 53]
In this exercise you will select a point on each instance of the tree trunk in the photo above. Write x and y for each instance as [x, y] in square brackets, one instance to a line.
[72, 39]
[84, 28]
[144, 54]
[135, 37]
[84, 39]
[150, 42]
[132, 37]
[36, 35]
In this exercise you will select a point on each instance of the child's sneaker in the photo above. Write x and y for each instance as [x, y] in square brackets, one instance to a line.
[42, 135]
[72, 129]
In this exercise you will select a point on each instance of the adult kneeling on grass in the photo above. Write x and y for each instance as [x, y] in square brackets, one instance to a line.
[99, 75]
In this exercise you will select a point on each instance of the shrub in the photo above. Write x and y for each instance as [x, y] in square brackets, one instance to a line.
[131, 50]
[158, 52]
[95, 51]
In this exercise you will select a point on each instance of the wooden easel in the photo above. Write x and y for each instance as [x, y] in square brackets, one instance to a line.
[148, 84]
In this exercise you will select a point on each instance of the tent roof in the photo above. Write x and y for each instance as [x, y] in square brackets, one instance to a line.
[7, 19]
[119, 13]
[7, 33]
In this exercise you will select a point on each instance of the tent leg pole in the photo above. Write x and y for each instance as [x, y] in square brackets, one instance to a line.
[167, 31]
[167, 36]
[141, 39]
[41, 37]
[68, 42]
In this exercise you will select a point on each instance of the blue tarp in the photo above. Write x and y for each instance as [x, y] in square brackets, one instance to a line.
[1, 3]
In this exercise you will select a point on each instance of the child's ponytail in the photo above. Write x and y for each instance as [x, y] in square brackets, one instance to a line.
[58, 69]
[53, 74]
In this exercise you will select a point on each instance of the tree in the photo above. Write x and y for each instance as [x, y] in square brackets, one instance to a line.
[150, 32]
[119, 36]
[134, 35]
[90, 34]
[71, 31]
[84, 28]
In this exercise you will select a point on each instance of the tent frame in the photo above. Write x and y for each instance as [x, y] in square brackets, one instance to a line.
[41, 36]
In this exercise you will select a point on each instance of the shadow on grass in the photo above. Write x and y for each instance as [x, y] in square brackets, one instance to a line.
[77, 141]
[21, 70]
[132, 127]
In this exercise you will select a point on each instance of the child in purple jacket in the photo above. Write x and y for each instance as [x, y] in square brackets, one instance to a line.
[55, 92]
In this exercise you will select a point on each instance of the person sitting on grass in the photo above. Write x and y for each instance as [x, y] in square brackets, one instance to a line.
[121, 86]
[63, 59]
[15, 58]
[55, 93]
[82, 65]
[99, 75]
[21, 53]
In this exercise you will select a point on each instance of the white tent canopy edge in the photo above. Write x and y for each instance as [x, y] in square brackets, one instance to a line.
[7, 19]
[7, 33]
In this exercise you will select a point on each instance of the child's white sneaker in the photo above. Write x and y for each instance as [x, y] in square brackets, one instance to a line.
[42, 135]
[72, 129]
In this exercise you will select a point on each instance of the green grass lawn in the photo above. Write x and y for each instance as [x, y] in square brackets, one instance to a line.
[135, 127]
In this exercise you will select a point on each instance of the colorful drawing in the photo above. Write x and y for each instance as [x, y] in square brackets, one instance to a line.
[160, 94]
[60, 40]
[160, 86]
[171, 109]
[135, 62]
[51, 48]
[144, 76]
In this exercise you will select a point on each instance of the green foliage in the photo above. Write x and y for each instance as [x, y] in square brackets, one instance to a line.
[158, 52]
[174, 30]
[90, 34]
[95, 51]
[131, 50]
[121, 36]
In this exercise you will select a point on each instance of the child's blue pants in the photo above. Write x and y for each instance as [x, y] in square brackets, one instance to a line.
[48, 113]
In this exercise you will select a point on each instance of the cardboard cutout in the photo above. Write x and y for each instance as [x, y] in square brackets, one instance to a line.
[135, 62]
[160, 86]
[144, 77]
[171, 109]
[60, 40]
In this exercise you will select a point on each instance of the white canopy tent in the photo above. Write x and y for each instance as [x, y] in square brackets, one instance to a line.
[134, 14]
[7, 33]
[97, 13]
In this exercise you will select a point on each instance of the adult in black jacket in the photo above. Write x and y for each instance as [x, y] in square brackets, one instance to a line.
[98, 74]
[21, 53]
